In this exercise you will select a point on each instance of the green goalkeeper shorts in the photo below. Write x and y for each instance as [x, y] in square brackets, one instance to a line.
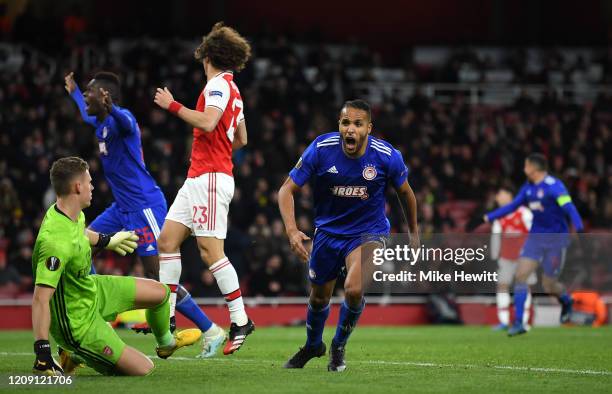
[101, 347]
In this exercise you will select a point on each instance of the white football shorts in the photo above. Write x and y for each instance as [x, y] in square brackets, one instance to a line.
[202, 204]
[506, 270]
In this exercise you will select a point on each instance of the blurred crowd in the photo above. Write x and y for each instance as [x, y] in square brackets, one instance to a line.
[542, 66]
[457, 152]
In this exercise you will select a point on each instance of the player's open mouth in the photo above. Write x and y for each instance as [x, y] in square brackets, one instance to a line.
[350, 143]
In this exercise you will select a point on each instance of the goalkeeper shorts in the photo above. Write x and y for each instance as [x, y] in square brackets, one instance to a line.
[100, 347]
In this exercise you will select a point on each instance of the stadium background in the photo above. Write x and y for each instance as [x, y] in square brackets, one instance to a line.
[464, 95]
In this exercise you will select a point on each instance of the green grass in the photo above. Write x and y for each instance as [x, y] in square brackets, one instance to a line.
[402, 359]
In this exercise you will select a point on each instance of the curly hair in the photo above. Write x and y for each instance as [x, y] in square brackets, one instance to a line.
[225, 48]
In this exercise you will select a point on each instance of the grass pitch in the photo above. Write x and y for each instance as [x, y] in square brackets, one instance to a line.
[379, 359]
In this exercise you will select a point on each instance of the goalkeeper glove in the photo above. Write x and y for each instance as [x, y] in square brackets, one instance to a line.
[122, 242]
[44, 363]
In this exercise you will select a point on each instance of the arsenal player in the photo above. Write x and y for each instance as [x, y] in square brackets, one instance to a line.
[201, 205]
[507, 239]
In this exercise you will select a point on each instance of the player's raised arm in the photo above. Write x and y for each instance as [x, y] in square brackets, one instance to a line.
[73, 89]
[206, 120]
[126, 122]
[286, 205]
[506, 209]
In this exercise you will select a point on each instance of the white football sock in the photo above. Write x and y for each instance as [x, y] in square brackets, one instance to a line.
[227, 280]
[503, 308]
[213, 331]
[527, 312]
[170, 274]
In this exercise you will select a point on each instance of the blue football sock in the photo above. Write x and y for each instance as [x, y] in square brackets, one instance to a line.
[347, 322]
[315, 323]
[565, 298]
[192, 311]
[520, 296]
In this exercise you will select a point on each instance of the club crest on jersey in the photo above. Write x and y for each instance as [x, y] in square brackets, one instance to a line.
[215, 93]
[540, 193]
[108, 351]
[53, 263]
[102, 147]
[369, 173]
[350, 191]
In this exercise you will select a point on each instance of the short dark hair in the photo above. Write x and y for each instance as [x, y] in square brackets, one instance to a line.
[225, 48]
[109, 81]
[507, 186]
[539, 160]
[359, 104]
[64, 170]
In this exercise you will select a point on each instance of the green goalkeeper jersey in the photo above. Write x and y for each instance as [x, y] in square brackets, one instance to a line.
[62, 259]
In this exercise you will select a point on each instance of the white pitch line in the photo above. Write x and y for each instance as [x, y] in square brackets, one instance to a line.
[590, 372]
[429, 365]
[507, 367]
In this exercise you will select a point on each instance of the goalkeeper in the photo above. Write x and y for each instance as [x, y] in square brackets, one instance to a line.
[75, 306]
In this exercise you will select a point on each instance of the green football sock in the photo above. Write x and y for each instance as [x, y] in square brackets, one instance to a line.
[158, 318]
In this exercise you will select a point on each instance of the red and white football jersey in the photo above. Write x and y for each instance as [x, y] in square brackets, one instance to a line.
[510, 232]
[212, 151]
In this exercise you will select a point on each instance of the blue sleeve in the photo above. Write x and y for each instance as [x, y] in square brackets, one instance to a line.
[506, 209]
[398, 172]
[572, 212]
[77, 96]
[125, 120]
[564, 200]
[306, 166]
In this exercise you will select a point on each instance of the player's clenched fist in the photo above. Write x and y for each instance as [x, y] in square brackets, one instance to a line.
[70, 84]
[296, 240]
[163, 98]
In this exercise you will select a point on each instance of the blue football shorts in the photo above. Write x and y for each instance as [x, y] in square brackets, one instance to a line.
[329, 252]
[147, 223]
[548, 250]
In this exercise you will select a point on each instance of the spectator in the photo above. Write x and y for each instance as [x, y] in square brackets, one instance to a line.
[268, 280]
[455, 151]
[205, 286]
[9, 278]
